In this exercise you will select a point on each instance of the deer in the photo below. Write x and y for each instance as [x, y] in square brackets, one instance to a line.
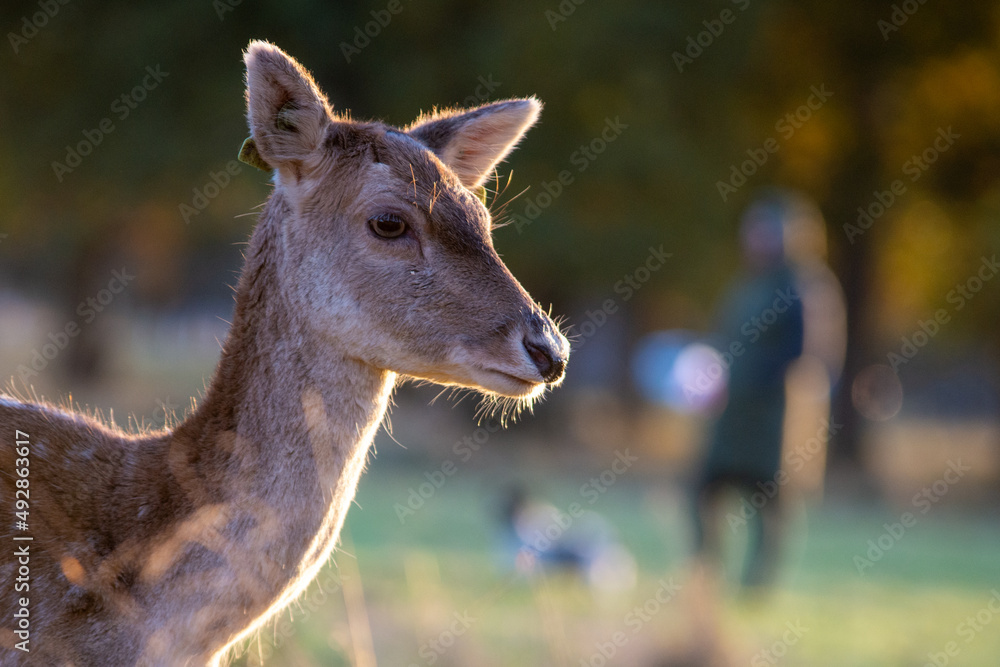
[371, 263]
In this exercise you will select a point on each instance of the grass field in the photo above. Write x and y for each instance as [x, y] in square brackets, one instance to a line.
[409, 582]
[395, 603]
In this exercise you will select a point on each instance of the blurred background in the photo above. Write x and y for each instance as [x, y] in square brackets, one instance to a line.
[569, 538]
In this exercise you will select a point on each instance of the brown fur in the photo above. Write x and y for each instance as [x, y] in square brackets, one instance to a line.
[167, 548]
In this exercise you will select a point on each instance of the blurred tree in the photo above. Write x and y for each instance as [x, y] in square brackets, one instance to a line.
[876, 60]
[683, 127]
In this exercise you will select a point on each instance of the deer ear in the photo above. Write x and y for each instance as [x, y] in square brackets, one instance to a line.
[287, 113]
[472, 142]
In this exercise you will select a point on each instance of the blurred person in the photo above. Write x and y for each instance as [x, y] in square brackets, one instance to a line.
[783, 322]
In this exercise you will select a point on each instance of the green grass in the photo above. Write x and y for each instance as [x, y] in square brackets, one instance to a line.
[444, 560]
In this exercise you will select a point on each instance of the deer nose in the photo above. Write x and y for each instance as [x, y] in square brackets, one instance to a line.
[550, 363]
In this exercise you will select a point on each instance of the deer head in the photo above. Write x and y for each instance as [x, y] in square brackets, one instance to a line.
[387, 251]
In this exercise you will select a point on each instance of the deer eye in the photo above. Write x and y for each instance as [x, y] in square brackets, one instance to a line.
[388, 226]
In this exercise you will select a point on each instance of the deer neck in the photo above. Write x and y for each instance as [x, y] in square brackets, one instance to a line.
[283, 433]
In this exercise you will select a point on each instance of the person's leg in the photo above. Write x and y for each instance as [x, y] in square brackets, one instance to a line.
[701, 596]
[707, 496]
[764, 544]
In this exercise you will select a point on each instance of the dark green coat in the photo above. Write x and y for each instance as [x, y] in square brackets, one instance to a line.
[764, 314]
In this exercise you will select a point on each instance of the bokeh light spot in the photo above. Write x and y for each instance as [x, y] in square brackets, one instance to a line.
[877, 392]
